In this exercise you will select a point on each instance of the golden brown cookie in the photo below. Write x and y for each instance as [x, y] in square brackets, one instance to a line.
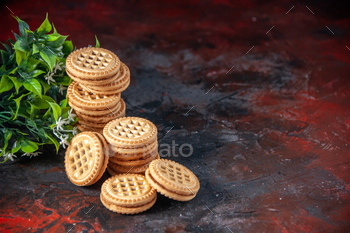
[128, 194]
[92, 63]
[130, 132]
[82, 81]
[164, 191]
[84, 128]
[81, 110]
[84, 159]
[136, 162]
[121, 169]
[106, 118]
[128, 190]
[117, 86]
[105, 157]
[172, 179]
[86, 99]
[91, 124]
[133, 153]
[111, 172]
[120, 89]
[127, 169]
[132, 157]
[127, 210]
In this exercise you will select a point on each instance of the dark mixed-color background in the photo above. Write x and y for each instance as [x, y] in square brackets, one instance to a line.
[270, 137]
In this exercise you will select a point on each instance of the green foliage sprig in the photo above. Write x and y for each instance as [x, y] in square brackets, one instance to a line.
[33, 104]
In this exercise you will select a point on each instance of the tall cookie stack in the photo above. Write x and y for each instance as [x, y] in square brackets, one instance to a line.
[133, 145]
[99, 78]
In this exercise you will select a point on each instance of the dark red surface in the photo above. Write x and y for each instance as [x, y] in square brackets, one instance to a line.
[271, 138]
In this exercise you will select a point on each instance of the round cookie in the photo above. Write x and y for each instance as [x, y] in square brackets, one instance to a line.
[137, 162]
[120, 89]
[134, 153]
[84, 159]
[116, 168]
[91, 124]
[105, 156]
[106, 118]
[127, 210]
[111, 172]
[84, 128]
[130, 132]
[117, 86]
[173, 176]
[164, 191]
[121, 169]
[85, 98]
[92, 63]
[80, 110]
[103, 81]
[128, 190]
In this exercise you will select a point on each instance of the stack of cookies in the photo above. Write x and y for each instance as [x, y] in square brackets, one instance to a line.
[99, 78]
[133, 145]
[86, 158]
[128, 148]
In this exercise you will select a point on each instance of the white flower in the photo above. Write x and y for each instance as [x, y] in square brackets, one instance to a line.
[61, 89]
[60, 123]
[71, 115]
[31, 154]
[55, 132]
[49, 78]
[75, 130]
[9, 156]
[64, 141]
[57, 67]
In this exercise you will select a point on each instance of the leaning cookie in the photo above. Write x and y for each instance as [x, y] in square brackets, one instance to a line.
[172, 180]
[85, 159]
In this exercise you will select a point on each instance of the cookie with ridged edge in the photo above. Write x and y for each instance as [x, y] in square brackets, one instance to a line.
[105, 156]
[137, 162]
[84, 128]
[124, 76]
[133, 157]
[117, 86]
[106, 118]
[100, 113]
[111, 172]
[127, 210]
[135, 169]
[121, 169]
[174, 176]
[116, 91]
[87, 99]
[91, 124]
[92, 63]
[103, 81]
[129, 132]
[133, 153]
[84, 159]
[128, 190]
[164, 191]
